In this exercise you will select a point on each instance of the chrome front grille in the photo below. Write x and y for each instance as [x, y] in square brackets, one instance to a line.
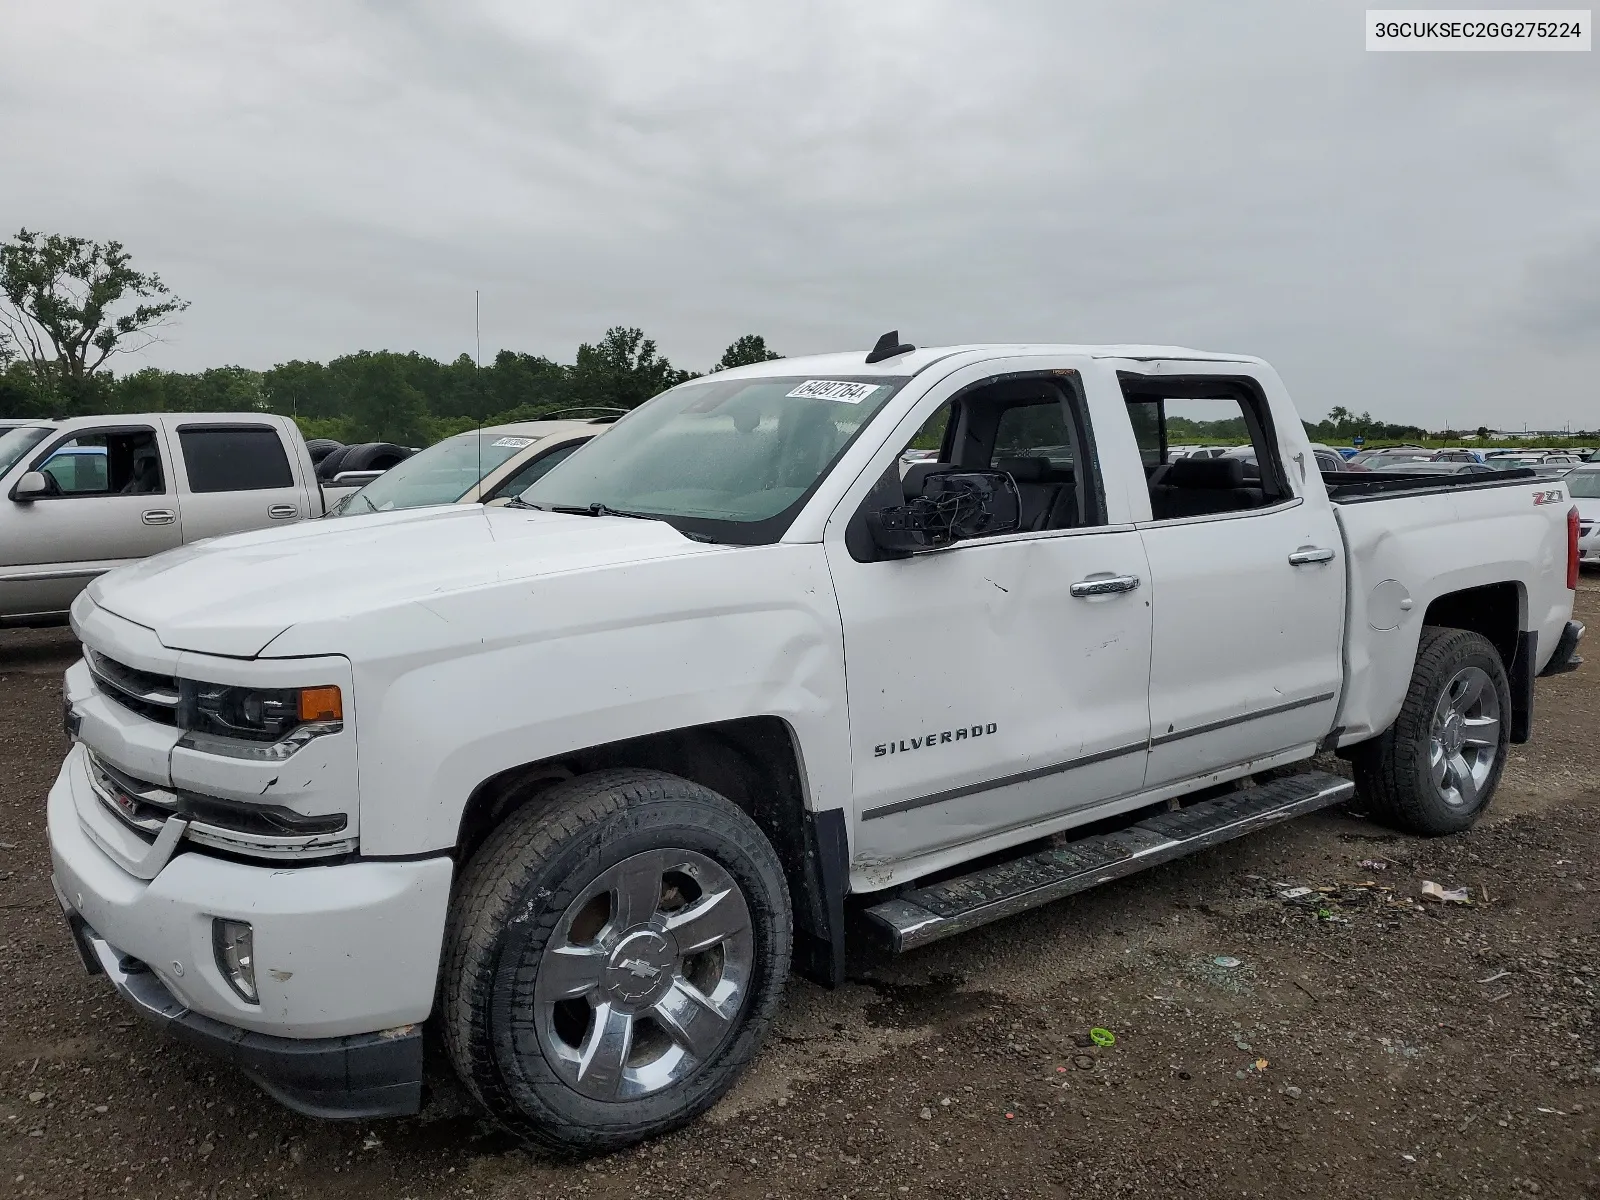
[155, 697]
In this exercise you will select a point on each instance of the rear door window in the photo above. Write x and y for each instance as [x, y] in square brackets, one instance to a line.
[234, 458]
[1207, 410]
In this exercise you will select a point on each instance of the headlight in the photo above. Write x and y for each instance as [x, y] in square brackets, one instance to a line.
[225, 720]
[265, 714]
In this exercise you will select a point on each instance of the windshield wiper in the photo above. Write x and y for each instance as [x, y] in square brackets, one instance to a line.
[519, 502]
[600, 509]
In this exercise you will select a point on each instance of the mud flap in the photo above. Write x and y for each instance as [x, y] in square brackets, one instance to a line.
[819, 919]
[1520, 678]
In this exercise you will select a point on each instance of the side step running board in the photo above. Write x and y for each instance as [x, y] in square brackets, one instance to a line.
[926, 914]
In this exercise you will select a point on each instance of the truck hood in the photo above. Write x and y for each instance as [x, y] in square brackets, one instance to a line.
[233, 595]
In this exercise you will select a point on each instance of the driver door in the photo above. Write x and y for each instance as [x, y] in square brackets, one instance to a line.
[990, 695]
[111, 502]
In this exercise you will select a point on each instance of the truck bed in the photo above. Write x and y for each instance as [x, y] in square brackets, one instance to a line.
[1386, 484]
[1442, 535]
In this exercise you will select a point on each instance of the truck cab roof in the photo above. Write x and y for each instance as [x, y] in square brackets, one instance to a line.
[913, 361]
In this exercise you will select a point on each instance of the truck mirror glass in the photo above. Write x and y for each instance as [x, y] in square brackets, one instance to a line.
[954, 506]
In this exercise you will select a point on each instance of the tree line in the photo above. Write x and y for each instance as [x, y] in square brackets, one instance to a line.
[69, 305]
[382, 395]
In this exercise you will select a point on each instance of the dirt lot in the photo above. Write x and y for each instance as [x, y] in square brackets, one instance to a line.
[1372, 1049]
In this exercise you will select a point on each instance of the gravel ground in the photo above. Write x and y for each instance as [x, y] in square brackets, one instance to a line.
[1363, 1045]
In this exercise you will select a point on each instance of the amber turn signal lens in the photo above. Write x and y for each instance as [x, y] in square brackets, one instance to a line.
[321, 704]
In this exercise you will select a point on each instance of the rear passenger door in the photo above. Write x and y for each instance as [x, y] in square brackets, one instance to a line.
[235, 476]
[1247, 576]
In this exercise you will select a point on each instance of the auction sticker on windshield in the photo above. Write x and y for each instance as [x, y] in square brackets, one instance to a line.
[834, 389]
[513, 443]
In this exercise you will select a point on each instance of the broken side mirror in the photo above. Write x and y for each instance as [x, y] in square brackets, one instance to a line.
[954, 506]
[30, 487]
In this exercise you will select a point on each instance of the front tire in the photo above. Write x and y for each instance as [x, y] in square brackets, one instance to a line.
[1435, 769]
[614, 957]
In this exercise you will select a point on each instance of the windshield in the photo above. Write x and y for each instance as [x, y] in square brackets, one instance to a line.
[441, 474]
[731, 459]
[14, 443]
[1584, 485]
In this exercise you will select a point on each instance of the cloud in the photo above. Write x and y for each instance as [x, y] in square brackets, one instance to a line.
[1562, 298]
[319, 178]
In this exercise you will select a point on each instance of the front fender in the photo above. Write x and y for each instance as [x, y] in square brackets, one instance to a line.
[477, 683]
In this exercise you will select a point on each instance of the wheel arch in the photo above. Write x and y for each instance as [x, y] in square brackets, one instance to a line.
[1498, 612]
[1495, 610]
[756, 763]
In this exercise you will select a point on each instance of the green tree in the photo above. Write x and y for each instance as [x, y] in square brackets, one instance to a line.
[460, 393]
[381, 404]
[301, 389]
[623, 370]
[523, 381]
[19, 393]
[68, 304]
[751, 348]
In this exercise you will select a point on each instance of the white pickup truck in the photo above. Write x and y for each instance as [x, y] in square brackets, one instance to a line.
[88, 494]
[581, 778]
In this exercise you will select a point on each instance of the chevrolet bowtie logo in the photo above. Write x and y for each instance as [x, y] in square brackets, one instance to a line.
[638, 967]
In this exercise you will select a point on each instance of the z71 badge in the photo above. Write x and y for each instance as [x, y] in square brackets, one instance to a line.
[1552, 497]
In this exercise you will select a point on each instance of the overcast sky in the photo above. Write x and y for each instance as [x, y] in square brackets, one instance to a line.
[1415, 234]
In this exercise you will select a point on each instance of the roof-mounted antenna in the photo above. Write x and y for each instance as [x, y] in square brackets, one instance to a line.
[477, 385]
[888, 346]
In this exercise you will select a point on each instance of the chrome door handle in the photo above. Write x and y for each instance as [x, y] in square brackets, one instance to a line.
[282, 512]
[1105, 586]
[158, 516]
[1310, 554]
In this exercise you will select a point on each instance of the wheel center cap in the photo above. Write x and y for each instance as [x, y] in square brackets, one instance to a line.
[1454, 733]
[641, 967]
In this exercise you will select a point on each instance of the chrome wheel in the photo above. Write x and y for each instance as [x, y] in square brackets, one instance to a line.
[643, 977]
[1465, 737]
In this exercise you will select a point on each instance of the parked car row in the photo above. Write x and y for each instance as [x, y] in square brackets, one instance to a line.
[1174, 453]
[1433, 467]
[92, 493]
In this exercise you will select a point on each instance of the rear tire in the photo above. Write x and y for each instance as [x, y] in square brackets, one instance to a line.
[1436, 768]
[613, 959]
